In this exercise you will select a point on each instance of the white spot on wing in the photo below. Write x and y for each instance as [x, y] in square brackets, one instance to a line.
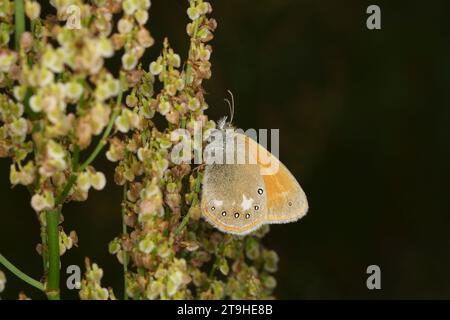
[216, 203]
[246, 202]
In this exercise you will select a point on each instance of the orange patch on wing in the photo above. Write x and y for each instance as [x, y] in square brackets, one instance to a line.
[278, 185]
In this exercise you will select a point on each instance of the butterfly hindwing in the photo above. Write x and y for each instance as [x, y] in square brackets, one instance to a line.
[233, 197]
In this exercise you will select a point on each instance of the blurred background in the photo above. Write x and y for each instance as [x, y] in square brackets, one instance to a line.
[364, 119]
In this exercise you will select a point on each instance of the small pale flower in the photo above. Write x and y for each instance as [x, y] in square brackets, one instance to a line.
[58, 164]
[131, 100]
[95, 274]
[144, 38]
[84, 181]
[43, 201]
[130, 6]
[124, 26]
[223, 266]
[193, 104]
[44, 77]
[129, 60]
[146, 245]
[105, 47]
[98, 180]
[151, 190]
[38, 202]
[122, 123]
[179, 84]
[116, 150]
[141, 16]
[74, 90]
[193, 13]
[55, 150]
[13, 175]
[114, 246]
[113, 85]
[143, 154]
[269, 282]
[53, 59]
[204, 7]
[107, 89]
[32, 9]
[162, 165]
[19, 92]
[174, 282]
[19, 128]
[271, 260]
[175, 60]
[99, 117]
[154, 290]
[165, 143]
[164, 107]
[7, 59]
[156, 67]
[204, 53]
[65, 240]
[164, 251]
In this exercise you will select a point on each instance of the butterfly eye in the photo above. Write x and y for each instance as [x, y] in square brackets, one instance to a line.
[224, 213]
[236, 215]
[247, 216]
[256, 208]
[260, 191]
[213, 208]
[290, 203]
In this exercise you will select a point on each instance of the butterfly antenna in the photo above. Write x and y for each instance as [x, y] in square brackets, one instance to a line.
[230, 105]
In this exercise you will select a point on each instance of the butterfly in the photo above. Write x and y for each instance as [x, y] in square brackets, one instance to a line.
[241, 196]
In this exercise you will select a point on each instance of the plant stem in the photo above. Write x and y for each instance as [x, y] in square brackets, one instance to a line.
[182, 224]
[19, 21]
[52, 289]
[216, 262]
[125, 232]
[8, 265]
[44, 252]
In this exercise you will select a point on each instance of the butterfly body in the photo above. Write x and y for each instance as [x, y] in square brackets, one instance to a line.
[241, 196]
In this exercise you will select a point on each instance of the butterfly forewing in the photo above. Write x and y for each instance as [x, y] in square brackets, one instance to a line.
[286, 200]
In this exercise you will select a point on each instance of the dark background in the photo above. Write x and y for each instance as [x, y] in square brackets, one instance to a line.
[364, 121]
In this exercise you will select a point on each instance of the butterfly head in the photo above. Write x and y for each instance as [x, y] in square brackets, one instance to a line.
[223, 124]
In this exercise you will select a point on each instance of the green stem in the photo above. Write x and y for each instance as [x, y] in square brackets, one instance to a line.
[52, 288]
[44, 253]
[125, 232]
[182, 224]
[19, 21]
[216, 262]
[8, 265]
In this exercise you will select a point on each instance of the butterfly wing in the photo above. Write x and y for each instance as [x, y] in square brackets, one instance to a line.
[233, 197]
[286, 200]
[230, 198]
